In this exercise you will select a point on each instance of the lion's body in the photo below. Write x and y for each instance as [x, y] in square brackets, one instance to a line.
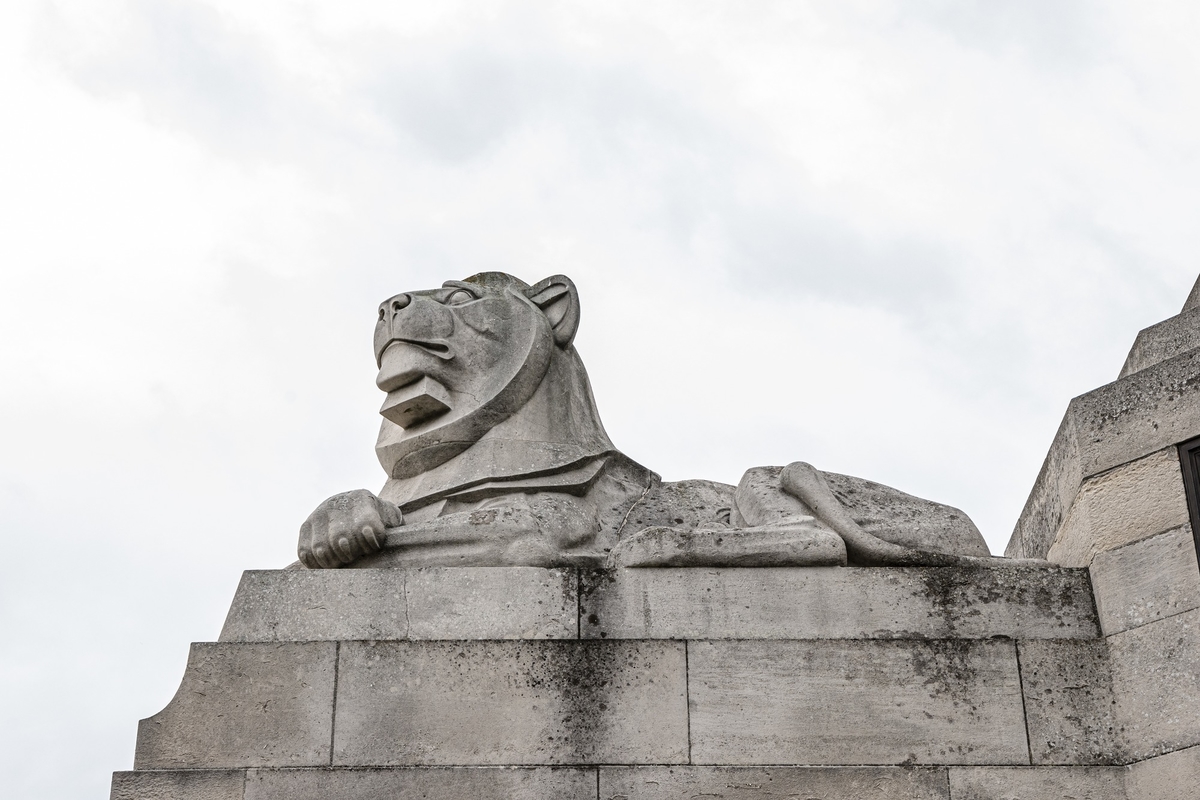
[502, 458]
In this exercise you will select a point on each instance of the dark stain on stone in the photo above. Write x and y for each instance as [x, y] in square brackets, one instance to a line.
[583, 674]
[947, 666]
[592, 581]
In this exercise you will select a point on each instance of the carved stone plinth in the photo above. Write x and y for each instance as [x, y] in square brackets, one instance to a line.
[639, 683]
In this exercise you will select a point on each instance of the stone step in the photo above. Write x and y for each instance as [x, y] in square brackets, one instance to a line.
[839, 603]
[593, 702]
[458, 603]
[437, 603]
[627, 783]
[1171, 337]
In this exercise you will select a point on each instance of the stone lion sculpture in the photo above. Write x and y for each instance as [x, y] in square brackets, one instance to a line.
[495, 455]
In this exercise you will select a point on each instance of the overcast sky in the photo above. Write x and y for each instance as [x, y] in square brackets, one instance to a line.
[889, 238]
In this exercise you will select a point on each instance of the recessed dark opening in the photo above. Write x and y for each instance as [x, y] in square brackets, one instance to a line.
[1189, 460]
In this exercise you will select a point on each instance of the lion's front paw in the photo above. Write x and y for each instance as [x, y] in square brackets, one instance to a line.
[345, 528]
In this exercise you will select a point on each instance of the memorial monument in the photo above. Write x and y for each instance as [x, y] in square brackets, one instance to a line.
[525, 612]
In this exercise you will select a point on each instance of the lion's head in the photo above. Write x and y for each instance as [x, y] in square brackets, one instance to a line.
[482, 384]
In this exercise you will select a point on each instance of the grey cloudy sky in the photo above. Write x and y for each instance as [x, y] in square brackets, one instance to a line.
[889, 238]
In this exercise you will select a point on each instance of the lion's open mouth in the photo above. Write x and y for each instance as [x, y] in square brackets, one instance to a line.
[439, 349]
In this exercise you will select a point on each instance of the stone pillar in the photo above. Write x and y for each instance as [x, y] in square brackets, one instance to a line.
[1111, 498]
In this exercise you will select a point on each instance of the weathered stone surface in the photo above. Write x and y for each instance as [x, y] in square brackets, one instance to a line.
[300, 605]
[1123, 505]
[756, 783]
[906, 520]
[544, 702]
[1167, 339]
[1069, 706]
[435, 603]
[1117, 423]
[865, 702]
[1156, 681]
[1147, 580]
[423, 783]
[802, 545]
[492, 603]
[245, 705]
[1135, 416]
[199, 784]
[833, 603]
[1037, 783]
[1174, 776]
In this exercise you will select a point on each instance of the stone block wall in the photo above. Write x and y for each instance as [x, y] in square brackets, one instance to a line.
[1111, 498]
[829, 682]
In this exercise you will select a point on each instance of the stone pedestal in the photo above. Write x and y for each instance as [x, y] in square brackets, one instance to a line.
[514, 682]
[1078, 679]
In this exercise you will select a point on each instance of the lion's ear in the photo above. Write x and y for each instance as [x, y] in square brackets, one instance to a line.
[558, 300]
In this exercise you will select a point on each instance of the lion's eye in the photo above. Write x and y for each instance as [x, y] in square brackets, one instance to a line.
[459, 297]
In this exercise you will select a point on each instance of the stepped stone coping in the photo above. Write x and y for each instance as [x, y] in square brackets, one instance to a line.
[1018, 602]
[1166, 339]
[1119, 422]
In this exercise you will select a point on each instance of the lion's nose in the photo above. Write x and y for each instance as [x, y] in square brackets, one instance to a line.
[393, 304]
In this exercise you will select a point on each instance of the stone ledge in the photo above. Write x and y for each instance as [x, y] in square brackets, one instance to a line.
[1169, 777]
[457, 603]
[193, 784]
[755, 783]
[1037, 783]
[433, 603]
[838, 603]
[589, 702]
[423, 783]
